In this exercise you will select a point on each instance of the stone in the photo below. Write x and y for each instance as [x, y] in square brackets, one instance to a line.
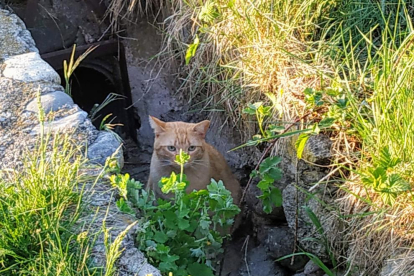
[64, 124]
[318, 149]
[306, 229]
[29, 67]
[300, 274]
[51, 102]
[279, 242]
[393, 267]
[133, 261]
[258, 263]
[312, 269]
[15, 39]
[104, 146]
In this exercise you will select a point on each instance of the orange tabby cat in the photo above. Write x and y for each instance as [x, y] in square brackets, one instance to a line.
[205, 161]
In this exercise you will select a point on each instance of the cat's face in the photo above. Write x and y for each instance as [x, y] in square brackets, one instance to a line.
[171, 137]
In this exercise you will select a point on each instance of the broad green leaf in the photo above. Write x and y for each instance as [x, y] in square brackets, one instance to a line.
[197, 269]
[386, 160]
[301, 143]
[192, 48]
[267, 205]
[197, 252]
[327, 122]
[249, 110]
[161, 248]
[388, 198]
[269, 163]
[205, 224]
[255, 106]
[264, 184]
[274, 173]
[167, 266]
[183, 224]
[276, 197]
[123, 206]
[160, 237]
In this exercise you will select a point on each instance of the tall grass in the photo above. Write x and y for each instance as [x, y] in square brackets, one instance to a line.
[41, 232]
[247, 48]
[380, 86]
[39, 207]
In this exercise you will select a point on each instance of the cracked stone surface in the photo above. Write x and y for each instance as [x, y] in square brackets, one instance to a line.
[26, 79]
[15, 39]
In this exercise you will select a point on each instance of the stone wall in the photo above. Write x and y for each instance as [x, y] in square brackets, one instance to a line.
[23, 76]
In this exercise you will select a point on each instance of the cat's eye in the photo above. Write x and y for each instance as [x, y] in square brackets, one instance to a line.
[171, 148]
[191, 148]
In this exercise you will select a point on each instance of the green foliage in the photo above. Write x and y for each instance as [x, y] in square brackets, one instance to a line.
[182, 234]
[40, 205]
[125, 185]
[381, 178]
[112, 248]
[269, 173]
[192, 48]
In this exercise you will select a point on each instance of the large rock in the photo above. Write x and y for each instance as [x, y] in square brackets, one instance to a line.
[51, 102]
[23, 77]
[309, 238]
[104, 146]
[279, 242]
[259, 263]
[29, 67]
[15, 39]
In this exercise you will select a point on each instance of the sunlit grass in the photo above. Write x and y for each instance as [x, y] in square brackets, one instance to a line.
[42, 230]
[39, 207]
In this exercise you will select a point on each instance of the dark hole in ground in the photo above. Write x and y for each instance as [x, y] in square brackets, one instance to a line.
[100, 75]
[89, 89]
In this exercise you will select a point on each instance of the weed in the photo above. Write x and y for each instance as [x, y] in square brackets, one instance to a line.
[68, 69]
[181, 234]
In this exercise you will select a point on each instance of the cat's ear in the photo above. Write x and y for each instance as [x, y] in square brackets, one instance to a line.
[201, 128]
[157, 125]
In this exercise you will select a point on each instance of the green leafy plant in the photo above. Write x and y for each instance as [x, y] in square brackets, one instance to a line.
[269, 173]
[183, 233]
[192, 48]
[383, 179]
[124, 183]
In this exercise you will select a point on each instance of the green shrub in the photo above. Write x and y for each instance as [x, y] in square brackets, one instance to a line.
[184, 233]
